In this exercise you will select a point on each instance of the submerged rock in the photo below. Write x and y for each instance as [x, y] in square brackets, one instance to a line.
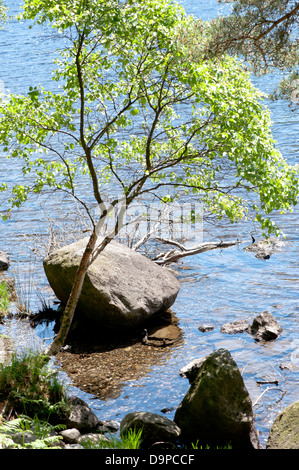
[122, 288]
[217, 408]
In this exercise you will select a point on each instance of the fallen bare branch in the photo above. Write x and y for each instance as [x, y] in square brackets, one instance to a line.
[174, 255]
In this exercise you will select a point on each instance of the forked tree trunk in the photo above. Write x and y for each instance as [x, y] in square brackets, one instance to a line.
[89, 255]
[72, 302]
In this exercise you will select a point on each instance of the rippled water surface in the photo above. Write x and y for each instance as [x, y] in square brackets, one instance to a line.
[216, 287]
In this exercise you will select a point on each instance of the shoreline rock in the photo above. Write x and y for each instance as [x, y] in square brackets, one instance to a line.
[217, 408]
[284, 432]
[122, 288]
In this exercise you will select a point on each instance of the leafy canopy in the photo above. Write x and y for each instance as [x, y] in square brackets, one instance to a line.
[138, 112]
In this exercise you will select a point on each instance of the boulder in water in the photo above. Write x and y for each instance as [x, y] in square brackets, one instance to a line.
[217, 409]
[122, 288]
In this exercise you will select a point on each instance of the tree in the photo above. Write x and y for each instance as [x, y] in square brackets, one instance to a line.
[264, 34]
[3, 11]
[138, 116]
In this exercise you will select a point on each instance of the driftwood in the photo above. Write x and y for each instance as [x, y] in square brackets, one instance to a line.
[174, 255]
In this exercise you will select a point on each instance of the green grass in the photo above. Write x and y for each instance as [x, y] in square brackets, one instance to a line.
[4, 299]
[30, 386]
[128, 440]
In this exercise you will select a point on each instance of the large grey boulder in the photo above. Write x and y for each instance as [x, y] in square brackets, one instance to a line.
[284, 432]
[217, 409]
[155, 428]
[122, 288]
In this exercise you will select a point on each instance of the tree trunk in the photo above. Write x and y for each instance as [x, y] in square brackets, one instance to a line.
[72, 302]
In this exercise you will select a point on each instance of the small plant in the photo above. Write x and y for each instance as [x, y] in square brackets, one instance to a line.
[197, 446]
[128, 440]
[31, 387]
[41, 430]
[4, 299]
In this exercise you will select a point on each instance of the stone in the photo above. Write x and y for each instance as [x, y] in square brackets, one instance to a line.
[23, 437]
[6, 442]
[155, 428]
[70, 435]
[92, 439]
[265, 327]
[4, 261]
[108, 426]
[206, 328]
[74, 446]
[264, 249]
[238, 326]
[217, 409]
[122, 288]
[284, 432]
[81, 415]
[190, 370]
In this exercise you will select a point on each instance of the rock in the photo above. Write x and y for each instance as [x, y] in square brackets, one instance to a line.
[122, 288]
[164, 335]
[92, 439]
[265, 248]
[6, 349]
[70, 435]
[74, 446]
[239, 326]
[217, 409]
[205, 328]
[284, 433]
[108, 426]
[190, 370]
[265, 327]
[81, 416]
[6, 442]
[155, 428]
[22, 438]
[4, 261]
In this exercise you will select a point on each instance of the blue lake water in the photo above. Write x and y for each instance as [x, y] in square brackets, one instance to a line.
[216, 287]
